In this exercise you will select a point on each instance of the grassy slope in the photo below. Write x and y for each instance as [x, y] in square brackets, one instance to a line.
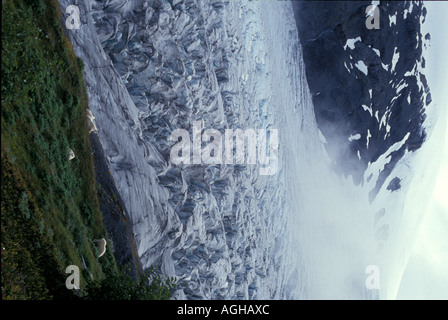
[49, 211]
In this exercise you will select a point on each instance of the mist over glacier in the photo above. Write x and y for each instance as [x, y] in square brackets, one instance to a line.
[226, 231]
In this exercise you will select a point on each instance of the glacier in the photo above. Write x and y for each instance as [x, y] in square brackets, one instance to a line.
[225, 231]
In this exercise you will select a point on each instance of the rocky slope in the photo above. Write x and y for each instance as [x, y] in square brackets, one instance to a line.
[368, 85]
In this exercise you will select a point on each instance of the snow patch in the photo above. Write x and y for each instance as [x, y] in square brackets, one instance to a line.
[377, 52]
[351, 43]
[395, 58]
[354, 137]
[369, 109]
[362, 66]
[392, 20]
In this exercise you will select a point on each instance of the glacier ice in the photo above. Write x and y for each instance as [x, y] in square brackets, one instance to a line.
[226, 231]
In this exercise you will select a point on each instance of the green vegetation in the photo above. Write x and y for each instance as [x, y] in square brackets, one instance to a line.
[49, 211]
[149, 286]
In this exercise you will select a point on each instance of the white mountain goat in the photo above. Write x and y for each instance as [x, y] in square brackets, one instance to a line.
[71, 154]
[91, 121]
[101, 246]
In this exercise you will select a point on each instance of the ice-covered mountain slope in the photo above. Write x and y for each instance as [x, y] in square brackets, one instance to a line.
[374, 107]
[158, 66]
[225, 230]
[366, 83]
[119, 132]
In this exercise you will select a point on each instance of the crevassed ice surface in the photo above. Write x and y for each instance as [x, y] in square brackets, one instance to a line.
[224, 230]
[208, 62]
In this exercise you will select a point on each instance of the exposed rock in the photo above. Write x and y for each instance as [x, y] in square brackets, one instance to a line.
[394, 184]
[390, 100]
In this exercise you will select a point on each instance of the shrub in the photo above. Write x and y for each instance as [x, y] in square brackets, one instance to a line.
[120, 286]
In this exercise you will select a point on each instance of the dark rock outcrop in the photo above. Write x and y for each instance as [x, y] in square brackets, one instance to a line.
[382, 102]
